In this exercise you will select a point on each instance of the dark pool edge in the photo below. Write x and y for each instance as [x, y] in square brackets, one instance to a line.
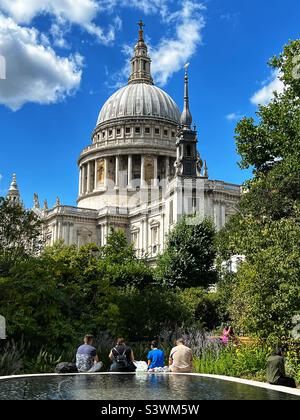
[248, 382]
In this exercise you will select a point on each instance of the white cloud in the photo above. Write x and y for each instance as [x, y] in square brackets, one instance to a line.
[146, 6]
[235, 116]
[266, 93]
[79, 12]
[75, 11]
[35, 73]
[2, 67]
[3, 191]
[171, 53]
[58, 32]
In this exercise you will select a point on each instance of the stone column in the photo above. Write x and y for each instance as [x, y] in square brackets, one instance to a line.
[117, 172]
[143, 181]
[216, 204]
[223, 214]
[167, 168]
[129, 171]
[59, 235]
[88, 187]
[155, 182]
[162, 233]
[64, 232]
[178, 152]
[54, 237]
[95, 177]
[146, 227]
[83, 184]
[106, 172]
[80, 181]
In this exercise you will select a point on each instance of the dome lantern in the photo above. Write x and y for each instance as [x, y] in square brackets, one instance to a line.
[13, 194]
[140, 98]
[141, 62]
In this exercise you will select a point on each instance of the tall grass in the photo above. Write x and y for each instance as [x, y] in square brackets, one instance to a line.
[44, 362]
[11, 358]
[245, 361]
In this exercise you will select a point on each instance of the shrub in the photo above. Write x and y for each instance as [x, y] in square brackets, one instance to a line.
[245, 361]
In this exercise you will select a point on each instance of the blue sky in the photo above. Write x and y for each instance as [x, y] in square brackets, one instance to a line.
[62, 63]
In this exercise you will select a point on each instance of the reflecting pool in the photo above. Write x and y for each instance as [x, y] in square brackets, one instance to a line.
[132, 387]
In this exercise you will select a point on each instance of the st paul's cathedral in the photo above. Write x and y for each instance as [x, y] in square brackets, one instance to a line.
[142, 171]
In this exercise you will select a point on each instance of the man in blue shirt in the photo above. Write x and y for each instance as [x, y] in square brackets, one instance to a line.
[156, 357]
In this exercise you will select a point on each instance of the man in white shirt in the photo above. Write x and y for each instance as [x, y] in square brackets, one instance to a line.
[181, 358]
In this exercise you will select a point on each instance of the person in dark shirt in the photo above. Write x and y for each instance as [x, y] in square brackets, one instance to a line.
[276, 370]
[122, 358]
[86, 357]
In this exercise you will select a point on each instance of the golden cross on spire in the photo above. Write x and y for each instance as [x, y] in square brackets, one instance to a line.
[141, 24]
[141, 31]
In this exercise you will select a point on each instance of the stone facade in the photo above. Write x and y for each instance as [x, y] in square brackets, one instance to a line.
[142, 171]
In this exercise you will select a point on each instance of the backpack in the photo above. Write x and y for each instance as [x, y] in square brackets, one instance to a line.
[65, 367]
[121, 359]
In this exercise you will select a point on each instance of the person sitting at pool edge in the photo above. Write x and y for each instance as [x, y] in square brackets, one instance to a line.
[156, 357]
[86, 356]
[122, 357]
[181, 358]
[276, 370]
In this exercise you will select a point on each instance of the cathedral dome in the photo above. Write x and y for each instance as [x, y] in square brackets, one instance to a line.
[140, 100]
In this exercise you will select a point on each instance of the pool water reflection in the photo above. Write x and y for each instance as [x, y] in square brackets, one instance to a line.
[132, 387]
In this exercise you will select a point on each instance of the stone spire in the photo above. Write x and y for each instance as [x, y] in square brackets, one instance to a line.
[205, 173]
[36, 201]
[187, 163]
[186, 116]
[13, 193]
[141, 62]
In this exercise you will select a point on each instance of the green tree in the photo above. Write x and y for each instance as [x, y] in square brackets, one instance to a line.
[188, 260]
[20, 234]
[272, 145]
[266, 295]
[202, 306]
[122, 266]
[117, 249]
[263, 296]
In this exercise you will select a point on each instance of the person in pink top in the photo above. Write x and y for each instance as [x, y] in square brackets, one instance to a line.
[229, 336]
[225, 336]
